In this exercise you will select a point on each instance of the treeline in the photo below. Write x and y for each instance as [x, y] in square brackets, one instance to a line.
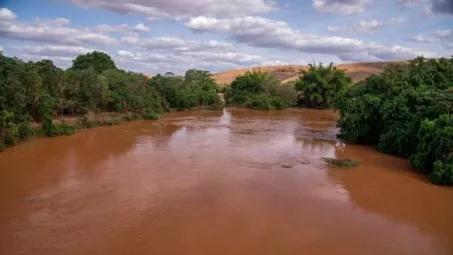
[315, 88]
[38, 92]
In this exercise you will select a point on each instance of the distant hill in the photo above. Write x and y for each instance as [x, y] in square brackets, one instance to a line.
[287, 73]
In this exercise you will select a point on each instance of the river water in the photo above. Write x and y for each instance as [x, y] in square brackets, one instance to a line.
[232, 182]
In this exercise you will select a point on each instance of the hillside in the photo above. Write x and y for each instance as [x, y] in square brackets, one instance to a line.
[286, 73]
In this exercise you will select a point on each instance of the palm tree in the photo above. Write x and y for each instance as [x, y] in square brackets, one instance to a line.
[318, 85]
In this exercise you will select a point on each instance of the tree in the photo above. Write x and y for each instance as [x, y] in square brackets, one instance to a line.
[319, 85]
[259, 90]
[200, 78]
[99, 61]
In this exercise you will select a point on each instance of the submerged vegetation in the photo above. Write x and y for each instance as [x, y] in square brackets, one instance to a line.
[343, 162]
[38, 92]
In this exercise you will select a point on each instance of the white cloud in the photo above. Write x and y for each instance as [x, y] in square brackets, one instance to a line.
[53, 50]
[442, 36]
[124, 53]
[180, 8]
[62, 62]
[231, 57]
[54, 31]
[408, 2]
[176, 44]
[180, 61]
[121, 28]
[341, 6]
[7, 15]
[365, 26]
[266, 33]
[141, 28]
[58, 22]
[213, 55]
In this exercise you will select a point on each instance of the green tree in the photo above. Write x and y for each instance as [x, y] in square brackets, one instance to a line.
[319, 85]
[261, 91]
[99, 61]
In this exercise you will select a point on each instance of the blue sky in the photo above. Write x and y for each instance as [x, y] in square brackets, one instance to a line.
[156, 36]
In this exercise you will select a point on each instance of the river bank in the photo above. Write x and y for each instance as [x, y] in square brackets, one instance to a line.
[70, 124]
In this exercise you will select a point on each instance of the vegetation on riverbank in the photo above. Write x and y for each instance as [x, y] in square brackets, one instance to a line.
[316, 87]
[38, 92]
[260, 91]
[405, 111]
[319, 86]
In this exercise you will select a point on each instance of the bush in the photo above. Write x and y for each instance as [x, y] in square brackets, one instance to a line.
[196, 89]
[405, 111]
[25, 131]
[442, 174]
[110, 122]
[260, 102]
[260, 91]
[65, 129]
[149, 115]
[50, 129]
[131, 116]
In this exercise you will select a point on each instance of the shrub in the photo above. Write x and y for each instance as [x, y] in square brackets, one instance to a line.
[442, 174]
[50, 129]
[260, 102]
[131, 116]
[110, 122]
[260, 91]
[65, 129]
[25, 131]
[149, 115]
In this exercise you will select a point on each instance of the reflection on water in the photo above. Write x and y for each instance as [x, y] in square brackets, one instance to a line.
[231, 182]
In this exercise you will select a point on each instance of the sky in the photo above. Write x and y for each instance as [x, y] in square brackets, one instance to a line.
[158, 36]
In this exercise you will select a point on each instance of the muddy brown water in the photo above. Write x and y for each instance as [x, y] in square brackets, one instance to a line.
[232, 182]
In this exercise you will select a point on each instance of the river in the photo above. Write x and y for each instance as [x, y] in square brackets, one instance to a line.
[232, 182]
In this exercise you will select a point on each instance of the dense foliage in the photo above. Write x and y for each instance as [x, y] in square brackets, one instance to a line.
[319, 85]
[96, 60]
[195, 89]
[406, 111]
[39, 91]
[260, 91]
